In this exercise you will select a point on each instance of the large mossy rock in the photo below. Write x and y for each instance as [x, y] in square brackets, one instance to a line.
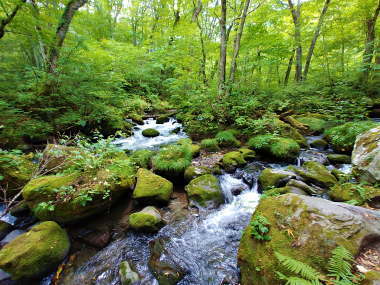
[36, 252]
[274, 177]
[306, 229]
[148, 219]
[205, 191]
[195, 171]
[152, 188]
[72, 197]
[287, 131]
[150, 133]
[343, 137]
[355, 192]
[5, 228]
[315, 173]
[232, 160]
[366, 156]
[339, 158]
[276, 147]
[315, 123]
[15, 171]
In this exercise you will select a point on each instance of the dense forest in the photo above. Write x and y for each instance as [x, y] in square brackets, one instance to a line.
[189, 142]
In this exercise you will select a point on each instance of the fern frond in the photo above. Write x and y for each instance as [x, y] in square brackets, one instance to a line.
[340, 265]
[297, 267]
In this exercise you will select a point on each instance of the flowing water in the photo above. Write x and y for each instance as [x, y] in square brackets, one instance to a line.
[167, 135]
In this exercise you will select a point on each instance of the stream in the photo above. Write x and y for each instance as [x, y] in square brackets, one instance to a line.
[203, 246]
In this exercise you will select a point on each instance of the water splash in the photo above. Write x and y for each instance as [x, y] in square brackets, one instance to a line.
[138, 141]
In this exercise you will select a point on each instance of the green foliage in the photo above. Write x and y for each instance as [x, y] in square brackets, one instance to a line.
[172, 158]
[227, 138]
[343, 137]
[210, 145]
[260, 228]
[339, 270]
[142, 157]
[279, 147]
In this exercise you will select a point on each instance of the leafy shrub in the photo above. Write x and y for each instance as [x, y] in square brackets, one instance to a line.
[142, 157]
[259, 228]
[343, 137]
[227, 138]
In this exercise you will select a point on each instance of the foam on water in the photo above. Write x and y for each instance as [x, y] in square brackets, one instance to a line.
[138, 141]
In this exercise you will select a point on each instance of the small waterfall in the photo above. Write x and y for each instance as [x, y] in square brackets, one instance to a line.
[138, 141]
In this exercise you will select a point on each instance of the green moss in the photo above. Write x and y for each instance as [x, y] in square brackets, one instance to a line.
[195, 171]
[227, 139]
[163, 118]
[292, 234]
[5, 228]
[272, 177]
[233, 159]
[319, 144]
[316, 173]
[349, 191]
[315, 122]
[36, 252]
[146, 220]
[205, 190]
[150, 133]
[142, 157]
[210, 145]
[127, 275]
[277, 147]
[16, 171]
[152, 187]
[171, 161]
[342, 138]
[339, 158]
[287, 131]
[58, 157]
[247, 153]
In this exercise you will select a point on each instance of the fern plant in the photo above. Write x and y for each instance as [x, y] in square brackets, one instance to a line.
[339, 270]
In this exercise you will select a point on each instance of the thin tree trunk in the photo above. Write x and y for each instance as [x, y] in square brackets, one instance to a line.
[61, 32]
[223, 49]
[237, 42]
[370, 44]
[315, 38]
[296, 15]
[4, 22]
[289, 69]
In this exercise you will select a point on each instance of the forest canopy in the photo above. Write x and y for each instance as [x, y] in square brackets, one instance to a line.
[76, 66]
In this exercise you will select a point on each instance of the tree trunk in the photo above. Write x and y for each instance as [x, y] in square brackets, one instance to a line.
[4, 22]
[296, 15]
[237, 42]
[370, 44]
[289, 70]
[223, 49]
[315, 37]
[61, 32]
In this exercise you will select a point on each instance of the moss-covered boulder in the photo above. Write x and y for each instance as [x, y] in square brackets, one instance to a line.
[359, 194]
[36, 252]
[342, 138]
[247, 153]
[127, 275]
[320, 144]
[306, 229]
[58, 157]
[232, 160]
[172, 160]
[151, 187]
[150, 133]
[195, 171]
[72, 197]
[15, 171]
[227, 138]
[205, 191]
[276, 147]
[5, 228]
[287, 131]
[315, 173]
[163, 118]
[195, 150]
[315, 123]
[210, 145]
[274, 177]
[339, 158]
[148, 220]
[366, 156]
[142, 157]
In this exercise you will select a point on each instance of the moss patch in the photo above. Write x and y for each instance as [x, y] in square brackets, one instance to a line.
[205, 190]
[35, 252]
[150, 133]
